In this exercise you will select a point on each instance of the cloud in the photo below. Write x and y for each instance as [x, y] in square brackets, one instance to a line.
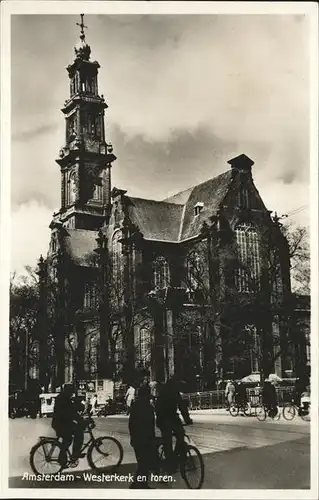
[185, 94]
[29, 235]
[25, 135]
[163, 167]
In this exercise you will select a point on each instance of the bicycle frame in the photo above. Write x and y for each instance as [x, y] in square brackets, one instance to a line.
[85, 445]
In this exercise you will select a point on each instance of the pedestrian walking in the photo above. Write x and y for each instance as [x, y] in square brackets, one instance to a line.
[269, 396]
[230, 393]
[129, 397]
[94, 405]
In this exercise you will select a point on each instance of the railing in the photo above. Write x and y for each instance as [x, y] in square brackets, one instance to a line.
[217, 399]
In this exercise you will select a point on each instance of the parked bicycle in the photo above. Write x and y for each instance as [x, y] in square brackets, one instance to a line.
[236, 408]
[262, 412]
[102, 453]
[290, 410]
[190, 461]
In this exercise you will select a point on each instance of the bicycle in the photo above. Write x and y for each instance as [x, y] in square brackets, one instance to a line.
[190, 462]
[235, 408]
[48, 449]
[263, 411]
[290, 410]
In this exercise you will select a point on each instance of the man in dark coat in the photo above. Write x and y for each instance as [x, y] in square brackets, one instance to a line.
[270, 397]
[142, 433]
[168, 403]
[241, 394]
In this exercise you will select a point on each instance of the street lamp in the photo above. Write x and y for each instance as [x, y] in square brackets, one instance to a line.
[26, 359]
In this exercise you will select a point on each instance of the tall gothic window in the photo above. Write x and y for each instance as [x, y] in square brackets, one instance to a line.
[90, 296]
[161, 273]
[91, 124]
[248, 271]
[117, 265]
[143, 346]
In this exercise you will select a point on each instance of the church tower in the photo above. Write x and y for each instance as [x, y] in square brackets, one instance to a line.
[86, 158]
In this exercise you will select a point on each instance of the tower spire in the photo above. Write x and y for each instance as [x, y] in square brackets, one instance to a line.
[82, 49]
[82, 26]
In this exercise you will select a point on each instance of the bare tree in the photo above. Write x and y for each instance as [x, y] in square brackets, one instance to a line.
[24, 305]
[298, 238]
[238, 313]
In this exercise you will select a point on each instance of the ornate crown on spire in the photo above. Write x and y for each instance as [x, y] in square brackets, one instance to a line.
[82, 49]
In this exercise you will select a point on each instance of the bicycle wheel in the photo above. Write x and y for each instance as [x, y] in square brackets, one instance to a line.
[234, 410]
[289, 412]
[192, 468]
[44, 457]
[276, 416]
[247, 410]
[105, 452]
[261, 413]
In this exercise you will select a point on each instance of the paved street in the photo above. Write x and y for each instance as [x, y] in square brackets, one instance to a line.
[238, 452]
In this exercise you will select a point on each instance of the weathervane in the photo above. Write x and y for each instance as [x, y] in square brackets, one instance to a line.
[82, 26]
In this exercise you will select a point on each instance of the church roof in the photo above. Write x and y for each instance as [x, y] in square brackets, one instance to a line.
[173, 218]
[157, 220]
[80, 245]
[170, 220]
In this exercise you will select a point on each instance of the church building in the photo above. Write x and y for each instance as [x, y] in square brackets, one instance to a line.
[197, 284]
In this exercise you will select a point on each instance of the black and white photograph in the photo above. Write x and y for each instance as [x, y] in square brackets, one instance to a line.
[159, 249]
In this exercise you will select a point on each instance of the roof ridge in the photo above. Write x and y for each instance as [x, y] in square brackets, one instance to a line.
[194, 186]
[155, 201]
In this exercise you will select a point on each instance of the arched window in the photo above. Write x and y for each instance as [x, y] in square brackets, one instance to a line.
[72, 188]
[90, 296]
[117, 265]
[161, 273]
[193, 270]
[98, 191]
[248, 271]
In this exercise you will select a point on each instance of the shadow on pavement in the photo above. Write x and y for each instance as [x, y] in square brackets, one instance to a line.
[279, 466]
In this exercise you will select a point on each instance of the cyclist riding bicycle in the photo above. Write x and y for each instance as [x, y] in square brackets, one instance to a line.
[168, 402]
[68, 424]
[269, 396]
[241, 394]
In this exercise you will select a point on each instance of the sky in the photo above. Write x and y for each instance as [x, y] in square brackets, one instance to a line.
[186, 93]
